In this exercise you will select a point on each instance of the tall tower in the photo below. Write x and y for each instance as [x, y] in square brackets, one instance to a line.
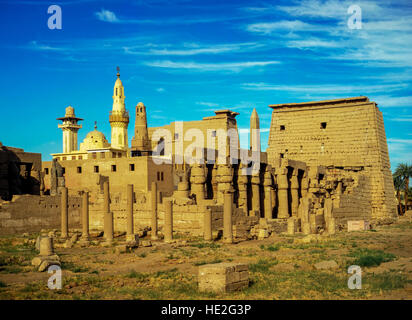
[119, 117]
[70, 129]
[140, 141]
[254, 131]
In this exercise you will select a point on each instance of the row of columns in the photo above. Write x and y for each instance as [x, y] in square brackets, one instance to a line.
[222, 182]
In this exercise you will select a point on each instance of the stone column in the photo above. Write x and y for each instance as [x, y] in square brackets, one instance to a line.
[267, 185]
[291, 225]
[197, 180]
[129, 213]
[294, 190]
[168, 228]
[85, 217]
[227, 218]
[305, 215]
[214, 181]
[283, 209]
[339, 188]
[224, 180]
[305, 184]
[154, 235]
[207, 225]
[255, 192]
[106, 197]
[329, 220]
[64, 214]
[46, 246]
[273, 191]
[242, 184]
[108, 215]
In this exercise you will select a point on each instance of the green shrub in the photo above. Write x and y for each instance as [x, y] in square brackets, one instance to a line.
[370, 258]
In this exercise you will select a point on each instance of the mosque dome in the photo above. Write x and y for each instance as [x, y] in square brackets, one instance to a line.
[94, 140]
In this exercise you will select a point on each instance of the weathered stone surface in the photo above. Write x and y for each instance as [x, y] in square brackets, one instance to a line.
[223, 277]
[358, 225]
[146, 243]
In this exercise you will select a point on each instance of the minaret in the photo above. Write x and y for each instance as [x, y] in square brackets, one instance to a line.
[254, 131]
[70, 129]
[140, 140]
[119, 117]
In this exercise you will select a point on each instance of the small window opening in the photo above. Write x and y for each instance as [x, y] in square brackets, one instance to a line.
[282, 128]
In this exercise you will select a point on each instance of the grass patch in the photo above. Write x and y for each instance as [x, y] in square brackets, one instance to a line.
[262, 266]
[202, 245]
[203, 262]
[370, 258]
[137, 275]
[272, 247]
[73, 268]
[385, 281]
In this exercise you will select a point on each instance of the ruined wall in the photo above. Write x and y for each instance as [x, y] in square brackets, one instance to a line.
[186, 218]
[222, 120]
[80, 175]
[19, 172]
[337, 133]
[31, 213]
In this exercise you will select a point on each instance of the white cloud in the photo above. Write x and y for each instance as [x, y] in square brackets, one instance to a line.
[106, 15]
[160, 89]
[383, 41]
[313, 43]
[385, 101]
[34, 45]
[266, 28]
[400, 150]
[329, 9]
[329, 89]
[231, 66]
[403, 119]
[207, 104]
[189, 49]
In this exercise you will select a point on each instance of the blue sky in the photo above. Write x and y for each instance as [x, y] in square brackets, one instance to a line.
[184, 59]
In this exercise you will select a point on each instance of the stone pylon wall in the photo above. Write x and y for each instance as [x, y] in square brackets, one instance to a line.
[339, 133]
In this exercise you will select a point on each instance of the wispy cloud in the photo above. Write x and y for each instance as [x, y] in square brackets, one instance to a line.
[107, 16]
[199, 66]
[266, 28]
[34, 45]
[335, 89]
[189, 49]
[401, 119]
[383, 41]
[207, 104]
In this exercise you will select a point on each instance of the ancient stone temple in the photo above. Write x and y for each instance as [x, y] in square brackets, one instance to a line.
[326, 165]
[347, 137]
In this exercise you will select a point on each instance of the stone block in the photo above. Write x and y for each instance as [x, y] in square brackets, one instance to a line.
[358, 225]
[223, 277]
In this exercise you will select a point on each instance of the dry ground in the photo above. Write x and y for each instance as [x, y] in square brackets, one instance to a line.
[281, 267]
